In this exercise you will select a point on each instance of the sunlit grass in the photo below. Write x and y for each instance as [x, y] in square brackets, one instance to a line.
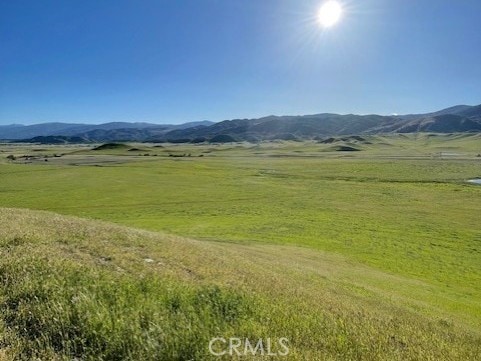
[367, 256]
[75, 288]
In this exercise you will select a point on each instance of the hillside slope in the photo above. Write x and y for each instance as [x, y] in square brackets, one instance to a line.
[75, 288]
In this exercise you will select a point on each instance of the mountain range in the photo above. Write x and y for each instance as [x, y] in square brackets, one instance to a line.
[460, 118]
[92, 132]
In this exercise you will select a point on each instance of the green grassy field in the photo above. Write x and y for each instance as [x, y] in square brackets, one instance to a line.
[367, 255]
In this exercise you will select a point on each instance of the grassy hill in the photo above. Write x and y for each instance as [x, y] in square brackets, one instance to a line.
[367, 255]
[80, 288]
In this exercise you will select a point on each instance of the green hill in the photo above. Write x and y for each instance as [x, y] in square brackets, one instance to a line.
[82, 289]
[112, 146]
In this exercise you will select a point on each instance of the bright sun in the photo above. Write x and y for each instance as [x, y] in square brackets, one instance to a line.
[329, 13]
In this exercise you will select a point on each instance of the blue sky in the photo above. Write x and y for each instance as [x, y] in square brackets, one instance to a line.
[173, 61]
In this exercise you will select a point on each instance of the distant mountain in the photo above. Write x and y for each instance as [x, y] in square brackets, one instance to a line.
[30, 131]
[19, 132]
[445, 123]
[281, 127]
[460, 118]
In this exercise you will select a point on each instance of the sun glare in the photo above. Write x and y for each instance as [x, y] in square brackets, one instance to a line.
[329, 13]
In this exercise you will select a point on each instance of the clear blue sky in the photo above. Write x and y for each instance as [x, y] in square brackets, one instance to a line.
[172, 61]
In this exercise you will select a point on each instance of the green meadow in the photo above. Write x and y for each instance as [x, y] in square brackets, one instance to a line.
[145, 251]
